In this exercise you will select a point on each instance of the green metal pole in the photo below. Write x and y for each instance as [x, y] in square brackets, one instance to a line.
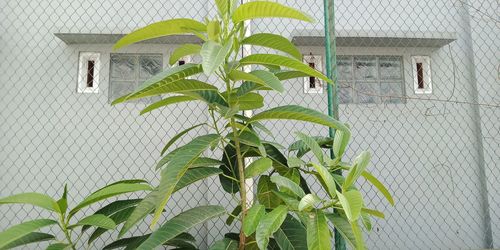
[331, 72]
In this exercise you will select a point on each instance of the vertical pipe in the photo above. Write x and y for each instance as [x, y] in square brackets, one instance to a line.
[332, 91]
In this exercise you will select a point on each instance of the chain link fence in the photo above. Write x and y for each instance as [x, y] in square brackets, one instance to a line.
[419, 84]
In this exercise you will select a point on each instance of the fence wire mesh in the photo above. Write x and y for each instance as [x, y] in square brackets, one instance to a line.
[419, 86]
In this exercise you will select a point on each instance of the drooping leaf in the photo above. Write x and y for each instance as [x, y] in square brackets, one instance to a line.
[287, 184]
[273, 41]
[265, 194]
[19, 231]
[308, 202]
[160, 29]
[359, 166]
[264, 9]
[166, 102]
[375, 182]
[96, 220]
[33, 237]
[177, 167]
[224, 244]
[130, 242]
[269, 79]
[343, 226]
[233, 215]
[290, 74]
[248, 87]
[282, 61]
[302, 148]
[116, 206]
[312, 145]
[211, 97]
[182, 51]
[291, 235]
[352, 202]
[252, 219]
[118, 218]
[294, 112]
[269, 224]
[174, 139]
[145, 207]
[110, 191]
[229, 168]
[340, 142]
[196, 174]
[318, 233]
[213, 55]
[181, 223]
[35, 199]
[373, 212]
[258, 167]
[366, 221]
[327, 179]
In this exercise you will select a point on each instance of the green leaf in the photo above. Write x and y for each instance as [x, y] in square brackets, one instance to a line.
[234, 214]
[177, 167]
[160, 29]
[269, 224]
[145, 207]
[28, 239]
[373, 212]
[35, 199]
[174, 139]
[282, 61]
[229, 168]
[352, 202]
[302, 148]
[165, 102]
[289, 200]
[343, 226]
[273, 41]
[19, 231]
[265, 194]
[290, 74]
[250, 101]
[358, 235]
[182, 51]
[295, 162]
[264, 9]
[340, 142]
[211, 97]
[63, 202]
[181, 223]
[360, 164]
[225, 244]
[366, 221]
[269, 79]
[286, 183]
[130, 242]
[318, 233]
[96, 220]
[238, 75]
[213, 55]
[327, 179]
[58, 246]
[308, 202]
[291, 235]
[213, 30]
[375, 182]
[258, 167]
[222, 7]
[313, 145]
[118, 218]
[294, 112]
[248, 87]
[252, 219]
[110, 191]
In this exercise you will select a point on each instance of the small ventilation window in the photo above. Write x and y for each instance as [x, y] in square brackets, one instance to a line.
[313, 85]
[88, 72]
[422, 82]
[182, 62]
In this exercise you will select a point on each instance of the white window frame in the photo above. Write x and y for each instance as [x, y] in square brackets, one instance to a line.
[318, 63]
[426, 62]
[84, 58]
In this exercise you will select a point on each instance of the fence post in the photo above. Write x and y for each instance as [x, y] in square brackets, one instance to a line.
[331, 72]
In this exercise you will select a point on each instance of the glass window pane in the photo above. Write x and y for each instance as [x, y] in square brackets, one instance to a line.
[345, 93]
[344, 68]
[123, 67]
[365, 68]
[392, 90]
[367, 92]
[120, 88]
[150, 65]
[390, 67]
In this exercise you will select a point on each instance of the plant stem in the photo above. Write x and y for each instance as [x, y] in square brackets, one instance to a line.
[243, 191]
[64, 228]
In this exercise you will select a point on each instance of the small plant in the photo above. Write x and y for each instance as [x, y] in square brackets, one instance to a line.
[287, 214]
[102, 220]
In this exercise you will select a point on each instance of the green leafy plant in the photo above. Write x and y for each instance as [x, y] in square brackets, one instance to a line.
[287, 213]
[102, 220]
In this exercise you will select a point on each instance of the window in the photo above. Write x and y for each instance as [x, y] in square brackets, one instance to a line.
[370, 79]
[129, 71]
[184, 60]
[313, 85]
[88, 72]
[422, 83]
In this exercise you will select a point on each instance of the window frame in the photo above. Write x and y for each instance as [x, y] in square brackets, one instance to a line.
[318, 65]
[83, 60]
[427, 77]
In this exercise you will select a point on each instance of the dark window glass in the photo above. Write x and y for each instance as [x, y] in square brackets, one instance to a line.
[90, 74]
[420, 75]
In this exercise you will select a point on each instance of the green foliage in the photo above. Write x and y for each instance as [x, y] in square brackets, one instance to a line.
[286, 213]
